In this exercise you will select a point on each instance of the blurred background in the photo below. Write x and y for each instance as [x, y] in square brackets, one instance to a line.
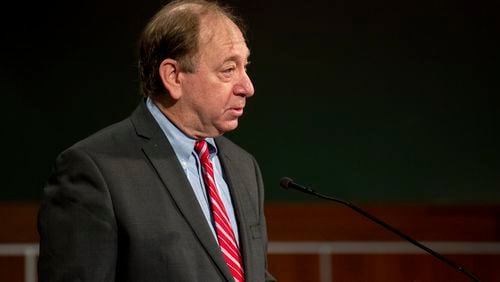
[392, 105]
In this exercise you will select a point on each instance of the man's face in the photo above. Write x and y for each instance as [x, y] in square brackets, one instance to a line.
[214, 95]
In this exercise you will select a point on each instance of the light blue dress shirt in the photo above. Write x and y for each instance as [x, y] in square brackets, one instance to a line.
[183, 146]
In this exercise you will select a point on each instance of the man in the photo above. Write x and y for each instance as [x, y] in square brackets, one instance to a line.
[161, 196]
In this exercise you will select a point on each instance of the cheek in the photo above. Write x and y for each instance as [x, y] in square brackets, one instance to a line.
[212, 96]
[216, 106]
[219, 97]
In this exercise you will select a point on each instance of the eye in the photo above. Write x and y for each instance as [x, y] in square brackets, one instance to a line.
[229, 70]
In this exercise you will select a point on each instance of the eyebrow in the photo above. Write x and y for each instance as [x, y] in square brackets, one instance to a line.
[236, 58]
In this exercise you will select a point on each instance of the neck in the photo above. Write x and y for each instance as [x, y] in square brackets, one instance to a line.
[179, 118]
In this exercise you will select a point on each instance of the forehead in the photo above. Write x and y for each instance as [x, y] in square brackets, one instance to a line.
[218, 32]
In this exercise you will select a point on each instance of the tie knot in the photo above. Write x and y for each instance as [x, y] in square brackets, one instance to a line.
[201, 148]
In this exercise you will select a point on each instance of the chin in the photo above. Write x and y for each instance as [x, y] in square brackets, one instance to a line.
[228, 126]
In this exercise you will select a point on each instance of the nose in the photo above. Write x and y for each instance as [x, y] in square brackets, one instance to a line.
[244, 87]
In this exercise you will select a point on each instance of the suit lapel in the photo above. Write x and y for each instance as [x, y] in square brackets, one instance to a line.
[241, 204]
[162, 156]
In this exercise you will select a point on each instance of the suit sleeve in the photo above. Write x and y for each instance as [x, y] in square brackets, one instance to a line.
[76, 223]
[268, 276]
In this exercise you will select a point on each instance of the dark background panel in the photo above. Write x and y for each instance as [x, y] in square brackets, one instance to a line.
[384, 101]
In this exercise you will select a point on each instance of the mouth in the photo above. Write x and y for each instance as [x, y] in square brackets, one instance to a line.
[236, 111]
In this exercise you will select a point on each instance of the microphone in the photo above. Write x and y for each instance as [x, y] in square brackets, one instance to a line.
[287, 183]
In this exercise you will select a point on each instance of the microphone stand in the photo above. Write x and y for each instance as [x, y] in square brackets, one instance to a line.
[288, 183]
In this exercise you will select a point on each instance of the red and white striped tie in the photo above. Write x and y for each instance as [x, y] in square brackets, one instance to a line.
[225, 234]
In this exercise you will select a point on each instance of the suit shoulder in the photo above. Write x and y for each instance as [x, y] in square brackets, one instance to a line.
[109, 138]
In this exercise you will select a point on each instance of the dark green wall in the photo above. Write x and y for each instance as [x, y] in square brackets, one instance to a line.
[371, 102]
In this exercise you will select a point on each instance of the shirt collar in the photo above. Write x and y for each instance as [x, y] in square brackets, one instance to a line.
[182, 144]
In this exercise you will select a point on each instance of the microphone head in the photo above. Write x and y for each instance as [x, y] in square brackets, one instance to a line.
[285, 182]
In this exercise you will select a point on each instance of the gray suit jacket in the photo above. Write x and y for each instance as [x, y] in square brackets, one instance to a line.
[118, 207]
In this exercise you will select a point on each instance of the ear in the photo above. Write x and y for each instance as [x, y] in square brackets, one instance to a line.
[169, 73]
